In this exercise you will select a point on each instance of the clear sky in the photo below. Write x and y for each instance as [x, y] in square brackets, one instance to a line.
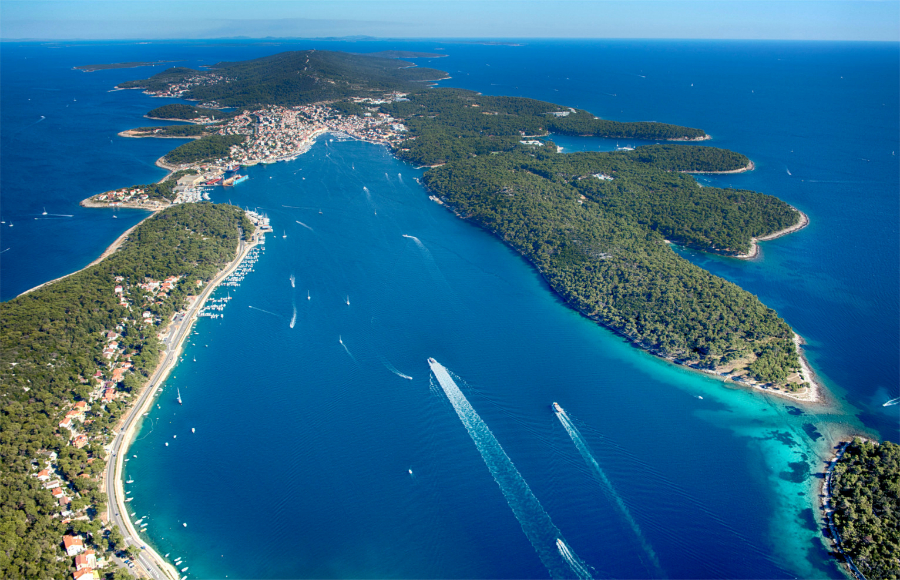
[713, 19]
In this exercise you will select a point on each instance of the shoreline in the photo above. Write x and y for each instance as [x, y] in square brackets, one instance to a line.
[813, 394]
[150, 390]
[754, 242]
[107, 252]
[833, 539]
[749, 167]
[130, 133]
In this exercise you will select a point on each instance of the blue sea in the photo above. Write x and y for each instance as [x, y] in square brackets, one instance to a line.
[315, 442]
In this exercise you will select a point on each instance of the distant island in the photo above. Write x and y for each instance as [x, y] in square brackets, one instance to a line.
[404, 54]
[96, 67]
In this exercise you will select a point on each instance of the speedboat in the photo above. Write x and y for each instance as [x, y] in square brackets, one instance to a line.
[556, 407]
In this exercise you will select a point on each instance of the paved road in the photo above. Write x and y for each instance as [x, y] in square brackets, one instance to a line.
[147, 564]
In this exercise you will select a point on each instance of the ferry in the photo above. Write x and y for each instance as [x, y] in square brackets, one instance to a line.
[556, 407]
[240, 178]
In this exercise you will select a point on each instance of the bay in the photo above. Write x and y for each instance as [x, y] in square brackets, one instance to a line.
[300, 463]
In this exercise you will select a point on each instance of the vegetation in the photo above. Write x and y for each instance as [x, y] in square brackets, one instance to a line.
[207, 147]
[585, 124]
[598, 243]
[292, 78]
[693, 159]
[50, 347]
[447, 124]
[166, 189]
[866, 497]
[96, 67]
[173, 131]
[187, 112]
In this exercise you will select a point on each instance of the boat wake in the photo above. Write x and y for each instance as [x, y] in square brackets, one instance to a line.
[266, 311]
[572, 560]
[394, 370]
[293, 281]
[544, 536]
[294, 317]
[305, 226]
[347, 350]
[890, 403]
[585, 452]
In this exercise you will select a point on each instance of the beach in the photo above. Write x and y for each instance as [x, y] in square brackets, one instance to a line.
[145, 400]
[107, 252]
[754, 242]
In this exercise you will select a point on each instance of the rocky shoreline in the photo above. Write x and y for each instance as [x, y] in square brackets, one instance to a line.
[754, 242]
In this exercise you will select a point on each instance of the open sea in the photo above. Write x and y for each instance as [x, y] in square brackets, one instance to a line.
[316, 442]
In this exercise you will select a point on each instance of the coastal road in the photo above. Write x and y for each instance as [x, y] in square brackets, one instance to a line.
[150, 563]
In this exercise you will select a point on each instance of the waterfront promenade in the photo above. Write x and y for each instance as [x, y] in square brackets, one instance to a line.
[149, 563]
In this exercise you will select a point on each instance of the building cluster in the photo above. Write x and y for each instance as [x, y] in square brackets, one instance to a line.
[282, 133]
[86, 561]
[126, 195]
[177, 90]
[74, 424]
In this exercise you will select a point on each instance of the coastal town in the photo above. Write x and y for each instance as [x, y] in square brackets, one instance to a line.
[76, 474]
[273, 134]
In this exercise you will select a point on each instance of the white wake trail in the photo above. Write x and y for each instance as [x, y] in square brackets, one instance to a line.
[305, 226]
[294, 317]
[544, 536]
[293, 281]
[585, 452]
[572, 560]
[267, 312]
[394, 370]
[347, 350]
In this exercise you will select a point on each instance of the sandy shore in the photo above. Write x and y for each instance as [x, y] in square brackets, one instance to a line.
[749, 167]
[107, 252]
[754, 242]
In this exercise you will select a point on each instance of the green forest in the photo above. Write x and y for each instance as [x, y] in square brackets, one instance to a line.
[446, 124]
[50, 345]
[173, 130]
[207, 147]
[294, 78]
[187, 112]
[600, 243]
[866, 498]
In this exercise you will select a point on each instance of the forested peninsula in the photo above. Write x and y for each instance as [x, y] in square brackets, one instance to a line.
[62, 346]
[865, 494]
[598, 226]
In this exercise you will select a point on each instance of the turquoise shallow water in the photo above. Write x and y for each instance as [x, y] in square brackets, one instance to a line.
[299, 466]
